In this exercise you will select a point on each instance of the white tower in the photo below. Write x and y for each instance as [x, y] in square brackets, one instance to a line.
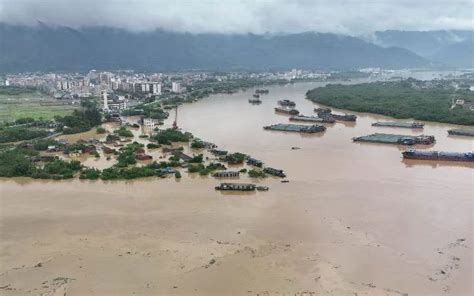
[106, 103]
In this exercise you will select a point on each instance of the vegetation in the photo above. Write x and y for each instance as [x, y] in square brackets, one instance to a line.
[256, 174]
[197, 144]
[153, 146]
[43, 144]
[196, 159]
[124, 132]
[235, 158]
[16, 163]
[20, 133]
[402, 99]
[126, 155]
[168, 136]
[204, 170]
[80, 120]
[90, 174]
[100, 130]
[151, 111]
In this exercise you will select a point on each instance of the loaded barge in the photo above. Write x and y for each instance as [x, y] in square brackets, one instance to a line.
[299, 128]
[240, 187]
[438, 155]
[287, 111]
[396, 139]
[461, 132]
[326, 113]
[312, 119]
[286, 103]
[399, 124]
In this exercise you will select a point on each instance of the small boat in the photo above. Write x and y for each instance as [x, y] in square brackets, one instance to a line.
[256, 96]
[287, 103]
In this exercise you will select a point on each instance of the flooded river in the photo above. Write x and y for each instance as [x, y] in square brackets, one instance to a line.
[355, 218]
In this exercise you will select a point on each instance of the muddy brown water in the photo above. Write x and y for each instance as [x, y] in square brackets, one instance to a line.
[354, 218]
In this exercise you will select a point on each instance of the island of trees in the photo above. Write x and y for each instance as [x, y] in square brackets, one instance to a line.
[420, 100]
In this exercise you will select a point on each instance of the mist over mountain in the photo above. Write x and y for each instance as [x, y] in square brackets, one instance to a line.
[448, 47]
[48, 48]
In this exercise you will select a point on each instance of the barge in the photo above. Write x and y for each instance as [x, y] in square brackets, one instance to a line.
[399, 124]
[461, 132]
[287, 103]
[254, 162]
[298, 128]
[227, 174]
[312, 119]
[236, 186]
[326, 113]
[274, 172]
[255, 101]
[438, 155]
[396, 139]
[287, 111]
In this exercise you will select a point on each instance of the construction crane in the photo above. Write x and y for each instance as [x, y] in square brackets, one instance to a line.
[175, 122]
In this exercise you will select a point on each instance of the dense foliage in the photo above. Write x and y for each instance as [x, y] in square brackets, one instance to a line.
[402, 99]
[168, 136]
[80, 120]
[235, 158]
[124, 132]
[20, 133]
[256, 174]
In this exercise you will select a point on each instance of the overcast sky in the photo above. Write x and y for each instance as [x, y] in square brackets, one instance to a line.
[353, 17]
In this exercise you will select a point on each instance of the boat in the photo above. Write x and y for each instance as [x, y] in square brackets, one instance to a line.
[287, 111]
[287, 103]
[312, 119]
[461, 132]
[299, 128]
[399, 124]
[274, 172]
[236, 187]
[261, 91]
[396, 139]
[256, 96]
[326, 113]
[438, 155]
[262, 188]
[255, 101]
[322, 110]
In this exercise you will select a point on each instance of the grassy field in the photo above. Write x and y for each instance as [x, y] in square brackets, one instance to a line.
[14, 105]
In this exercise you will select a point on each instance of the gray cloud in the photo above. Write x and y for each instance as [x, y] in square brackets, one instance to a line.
[353, 17]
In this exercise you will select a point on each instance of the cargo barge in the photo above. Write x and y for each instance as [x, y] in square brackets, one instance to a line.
[461, 132]
[255, 101]
[312, 119]
[287, 111]
[417, 125]
[236, 186]
[396, 139]
[438, 155]
[274, 172]
[326, 113]
[298, 128]
[286, 103]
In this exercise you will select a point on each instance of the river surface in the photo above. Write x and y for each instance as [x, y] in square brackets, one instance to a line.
[355, 218]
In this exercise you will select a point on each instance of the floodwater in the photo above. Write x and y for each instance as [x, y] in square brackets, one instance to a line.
[355, 218]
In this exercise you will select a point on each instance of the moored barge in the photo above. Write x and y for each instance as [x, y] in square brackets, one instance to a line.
[417, 125]
[299, 128]
[461, 132]
[255, 101]
[287, 103]
[303, 118]
[287, 111]
[438, 155]
[274, 172]
[326, 113]
[236, 187]
[396, 139]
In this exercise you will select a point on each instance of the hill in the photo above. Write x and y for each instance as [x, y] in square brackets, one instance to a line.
[47, 48]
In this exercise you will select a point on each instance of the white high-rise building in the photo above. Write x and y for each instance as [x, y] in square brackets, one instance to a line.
[175, 87]
[156, 88]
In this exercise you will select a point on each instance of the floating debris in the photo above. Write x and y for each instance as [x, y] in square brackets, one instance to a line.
[396, 139]
[438, 155]
[296, 128]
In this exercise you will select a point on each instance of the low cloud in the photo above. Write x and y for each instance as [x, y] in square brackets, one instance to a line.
[354, 17]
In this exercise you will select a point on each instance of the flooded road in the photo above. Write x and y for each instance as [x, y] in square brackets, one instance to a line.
[354, 219]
